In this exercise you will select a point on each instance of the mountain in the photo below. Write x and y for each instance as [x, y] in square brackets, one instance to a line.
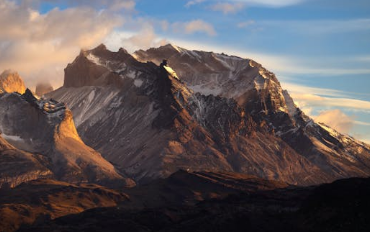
[43, 88]
[39, 139]
[200, 111]
[10, 81]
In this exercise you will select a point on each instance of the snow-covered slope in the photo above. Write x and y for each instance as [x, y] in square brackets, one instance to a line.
[234, 116]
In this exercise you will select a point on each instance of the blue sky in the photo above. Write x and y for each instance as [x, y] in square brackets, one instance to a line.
[319, 49]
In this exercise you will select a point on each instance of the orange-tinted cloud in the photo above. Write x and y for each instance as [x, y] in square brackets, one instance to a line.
[337, 120]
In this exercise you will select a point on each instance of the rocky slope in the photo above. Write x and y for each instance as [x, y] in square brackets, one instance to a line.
[41, 200]
[10, 82]
[41, 140]
[217, 113]
[17, 166]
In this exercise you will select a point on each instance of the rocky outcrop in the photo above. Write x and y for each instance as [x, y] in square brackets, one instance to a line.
[10, 82]
[43, 88]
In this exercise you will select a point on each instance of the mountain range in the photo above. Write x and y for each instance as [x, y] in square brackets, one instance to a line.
[168, 138]
[214, 112]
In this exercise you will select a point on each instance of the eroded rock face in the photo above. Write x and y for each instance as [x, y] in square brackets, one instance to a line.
[17, 166]
[10, 82]
[43, 88]
[46, 128]
[202, 111]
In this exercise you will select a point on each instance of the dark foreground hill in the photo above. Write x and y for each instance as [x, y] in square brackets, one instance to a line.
[260, 206]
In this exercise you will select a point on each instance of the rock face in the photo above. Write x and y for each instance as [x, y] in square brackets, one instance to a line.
[43, 88]
[17, 166]
[214, 112]
[44, 130]
[10, 82]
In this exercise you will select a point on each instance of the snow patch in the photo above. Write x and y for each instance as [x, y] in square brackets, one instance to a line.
[131, 74]
[214, 90]
[94, 59]
[91, 96]
[12, 137]
[138, 83]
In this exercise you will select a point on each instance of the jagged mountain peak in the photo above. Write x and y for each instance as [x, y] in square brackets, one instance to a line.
[100, 47]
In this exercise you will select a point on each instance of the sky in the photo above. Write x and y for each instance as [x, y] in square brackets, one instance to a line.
[318, 49]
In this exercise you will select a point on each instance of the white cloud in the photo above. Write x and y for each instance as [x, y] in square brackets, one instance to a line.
[311, 100]
[337, 120]
[271, 3]
[41, 45]
[228, 8]
[319, 27]
[246, 24]
[144, 39]
[362, 123]
[112, 5]
[119, 4]
[194, 26]
[194, 2]
[301, 89]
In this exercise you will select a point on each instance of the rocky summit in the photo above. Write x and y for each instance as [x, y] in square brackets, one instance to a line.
[200, 111]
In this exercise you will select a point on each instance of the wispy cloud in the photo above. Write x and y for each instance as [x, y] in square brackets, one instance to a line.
[319, 27]
[194, 2]
[265, 3]
[194, 26]
[271, 3]
[228, 8]
[246, 24]
[301, 89]
[311, 100]
[362, 123]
